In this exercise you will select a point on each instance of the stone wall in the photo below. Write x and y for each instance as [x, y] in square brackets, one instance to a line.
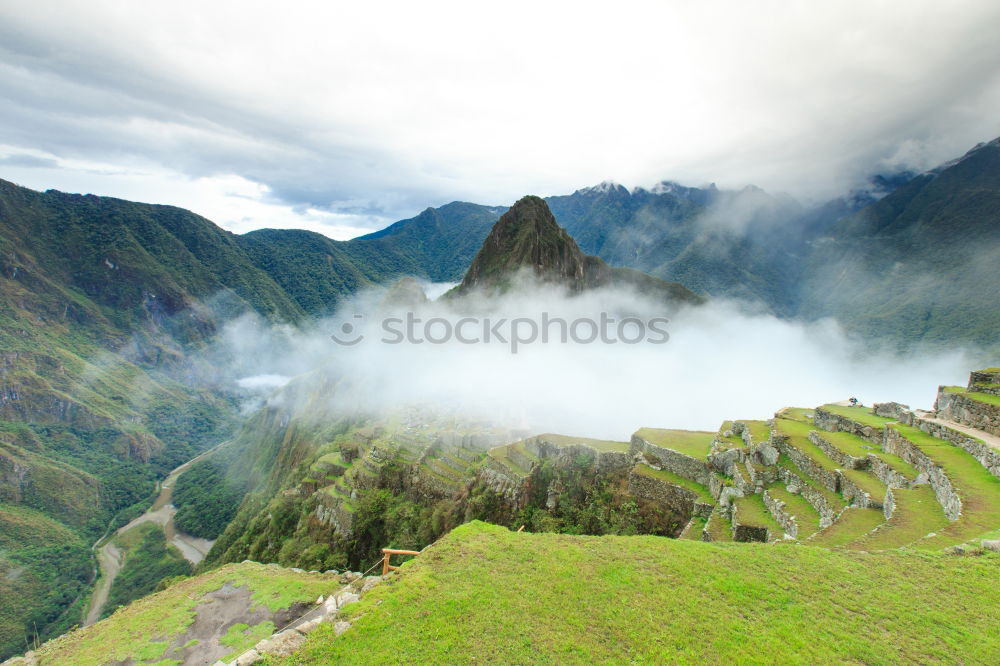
[945, 492]
[678, 463]
[854, 493]
[746, 533]
[983, 377]
[886, 474]
[889, 410]
[827, 513]
[962, 409]
[838, 456]
[837, 423]
[681, 500]
[785, 519]
[605, 462]
[822, 476]
[988, 456]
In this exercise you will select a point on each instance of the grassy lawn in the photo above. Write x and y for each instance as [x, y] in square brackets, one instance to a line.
[673, 479]
[484, 594]
[603, 445]
[853, 523]
[979, 490]
[984, 398]
[917, 514]
[806, 517]
[719, 527]
[862, 415]
[751, 511]
[145, 627]
[692, 443]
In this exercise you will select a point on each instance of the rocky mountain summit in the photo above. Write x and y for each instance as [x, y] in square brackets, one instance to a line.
[528, 238]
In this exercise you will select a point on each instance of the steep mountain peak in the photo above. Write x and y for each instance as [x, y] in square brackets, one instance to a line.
[526, 236]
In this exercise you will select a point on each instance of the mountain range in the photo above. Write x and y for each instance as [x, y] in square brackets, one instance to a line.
[105, 305]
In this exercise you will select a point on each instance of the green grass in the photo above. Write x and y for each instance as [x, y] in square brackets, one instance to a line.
[862, 415]
[985, 398]
[835, 501]
[692, 531]
[241, 637]
[759, 430]
[487, 595]
[848, 443]
[733, 441]
[696, 444]
[719, 527]
[605, 446]
[867, 481]
[752, 511]
[667, 476]
[978, 489]
[797, 433]
[852, 524]
[916, 515]
[903, 468]
[803, 414]
[502, 454]
[146, 623]
[806, 517]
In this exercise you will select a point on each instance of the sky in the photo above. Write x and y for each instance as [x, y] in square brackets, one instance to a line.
[343, 117]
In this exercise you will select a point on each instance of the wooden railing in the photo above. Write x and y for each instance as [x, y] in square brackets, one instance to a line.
[389, 552]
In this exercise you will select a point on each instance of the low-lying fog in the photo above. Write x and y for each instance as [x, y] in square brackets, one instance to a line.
[720, 361]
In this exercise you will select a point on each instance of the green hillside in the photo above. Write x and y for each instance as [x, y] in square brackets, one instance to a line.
[484, 594]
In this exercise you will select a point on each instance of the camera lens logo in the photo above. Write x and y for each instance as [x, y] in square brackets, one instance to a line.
[350, 334]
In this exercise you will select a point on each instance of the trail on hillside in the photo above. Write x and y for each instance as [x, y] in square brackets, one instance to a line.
[109, 557]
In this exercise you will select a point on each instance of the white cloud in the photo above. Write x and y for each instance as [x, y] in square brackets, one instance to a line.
[721, 362]
[380, 109]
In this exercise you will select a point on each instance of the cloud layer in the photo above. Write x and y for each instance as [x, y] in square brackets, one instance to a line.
[721, 362]
[341, 117]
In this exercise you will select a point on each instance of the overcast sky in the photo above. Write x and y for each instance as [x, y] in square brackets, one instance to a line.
[342, 117]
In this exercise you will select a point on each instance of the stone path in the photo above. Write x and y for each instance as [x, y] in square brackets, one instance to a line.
[991, 441]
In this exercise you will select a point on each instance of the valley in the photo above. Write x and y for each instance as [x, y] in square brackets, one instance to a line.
[161, 513]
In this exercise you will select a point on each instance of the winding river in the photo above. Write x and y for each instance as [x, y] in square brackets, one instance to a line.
[109, 557]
